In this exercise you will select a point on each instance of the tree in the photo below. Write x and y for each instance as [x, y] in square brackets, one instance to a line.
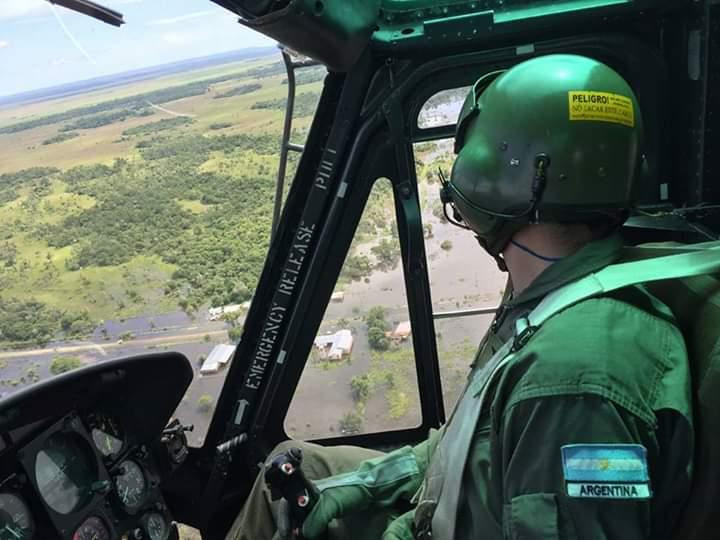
[235, 333]
[446, 245]
[375, 320]
[377, 339]
[350, 423]
[387, 253]
[360, 388]
[62, 364]
[205, 404]
[376, 317]
[356, 267]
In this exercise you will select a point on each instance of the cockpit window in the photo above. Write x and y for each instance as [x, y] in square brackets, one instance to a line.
[466, 284]
[137, 178]
[361, 375]
[442, 109]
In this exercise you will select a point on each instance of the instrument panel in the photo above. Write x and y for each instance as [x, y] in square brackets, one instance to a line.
[90, 469]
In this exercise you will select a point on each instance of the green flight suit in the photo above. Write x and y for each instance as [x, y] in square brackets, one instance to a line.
[609, 370]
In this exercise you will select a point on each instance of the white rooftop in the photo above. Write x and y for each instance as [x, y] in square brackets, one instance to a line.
[217, 359]
[339, 343]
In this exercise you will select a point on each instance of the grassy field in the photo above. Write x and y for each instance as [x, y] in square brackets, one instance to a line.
[33, 110]
[41, 268]
[25, 148]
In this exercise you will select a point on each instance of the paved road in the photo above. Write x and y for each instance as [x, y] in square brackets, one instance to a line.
[103, 347]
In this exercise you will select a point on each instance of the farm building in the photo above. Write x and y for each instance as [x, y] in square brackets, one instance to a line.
[217, 359]
[402, 331]
[335, 346]
[216, 312]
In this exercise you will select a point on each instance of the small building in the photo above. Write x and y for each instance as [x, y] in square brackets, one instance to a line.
[335, 346]
[217, 359]
[338, 296]
[402, 331]
[216, 313]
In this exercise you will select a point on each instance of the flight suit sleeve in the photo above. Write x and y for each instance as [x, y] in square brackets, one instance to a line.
[536, 499]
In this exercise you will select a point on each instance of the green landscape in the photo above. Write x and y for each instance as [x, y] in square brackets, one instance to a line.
[126, 213]
[175, 214]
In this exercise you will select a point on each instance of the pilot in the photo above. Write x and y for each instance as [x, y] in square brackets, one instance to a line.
[578, 428]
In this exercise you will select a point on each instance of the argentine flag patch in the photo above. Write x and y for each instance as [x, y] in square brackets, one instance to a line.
[606, 471]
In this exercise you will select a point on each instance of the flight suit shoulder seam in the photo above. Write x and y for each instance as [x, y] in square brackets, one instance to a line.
[537, 392]
[667, 326]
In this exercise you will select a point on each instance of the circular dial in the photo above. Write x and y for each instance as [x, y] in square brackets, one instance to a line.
[92, 528]
[156, 527]
[65, 469]
[16, 522]
[106, 434]
[130, 484]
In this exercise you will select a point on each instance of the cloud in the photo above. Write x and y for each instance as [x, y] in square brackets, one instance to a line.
[12, 9]
[4, 44]
[182, 18]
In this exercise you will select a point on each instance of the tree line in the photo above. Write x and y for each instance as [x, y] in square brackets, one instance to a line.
[238, 91]
[308, 76]
[305, 104]
[134, 102]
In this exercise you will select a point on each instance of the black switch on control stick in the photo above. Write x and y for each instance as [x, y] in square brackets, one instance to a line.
[286, 480]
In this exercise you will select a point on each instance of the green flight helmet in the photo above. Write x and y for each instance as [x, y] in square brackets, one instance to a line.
[555, 139]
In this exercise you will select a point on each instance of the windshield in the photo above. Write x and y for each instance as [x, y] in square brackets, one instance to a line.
[137, 179]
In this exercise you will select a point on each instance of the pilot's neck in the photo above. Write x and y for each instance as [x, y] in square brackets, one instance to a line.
[522, 267]
[535, 247]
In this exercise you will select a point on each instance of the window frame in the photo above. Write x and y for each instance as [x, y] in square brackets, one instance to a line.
[380, 145]
[367, 120]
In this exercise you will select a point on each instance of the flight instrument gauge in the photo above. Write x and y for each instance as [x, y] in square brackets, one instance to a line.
[65, 469]
[92, 528]
[130, 485]
[16, 522]
[107, 435]
[157, 527]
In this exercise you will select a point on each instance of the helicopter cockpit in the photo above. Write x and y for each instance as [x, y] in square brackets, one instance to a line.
[104, 451]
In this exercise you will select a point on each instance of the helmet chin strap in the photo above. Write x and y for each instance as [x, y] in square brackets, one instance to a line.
[535, 253]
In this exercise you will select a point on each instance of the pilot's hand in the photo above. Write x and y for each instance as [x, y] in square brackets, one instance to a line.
[334, 503]
[378, 482]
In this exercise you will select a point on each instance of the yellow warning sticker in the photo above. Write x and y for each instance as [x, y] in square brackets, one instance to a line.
[601, 107]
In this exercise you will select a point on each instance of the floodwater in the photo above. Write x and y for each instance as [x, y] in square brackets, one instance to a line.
[461, 277]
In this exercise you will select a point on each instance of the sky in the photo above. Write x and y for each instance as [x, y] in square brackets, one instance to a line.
[43, 45]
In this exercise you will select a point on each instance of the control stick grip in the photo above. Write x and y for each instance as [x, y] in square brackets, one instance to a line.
[286, 480]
